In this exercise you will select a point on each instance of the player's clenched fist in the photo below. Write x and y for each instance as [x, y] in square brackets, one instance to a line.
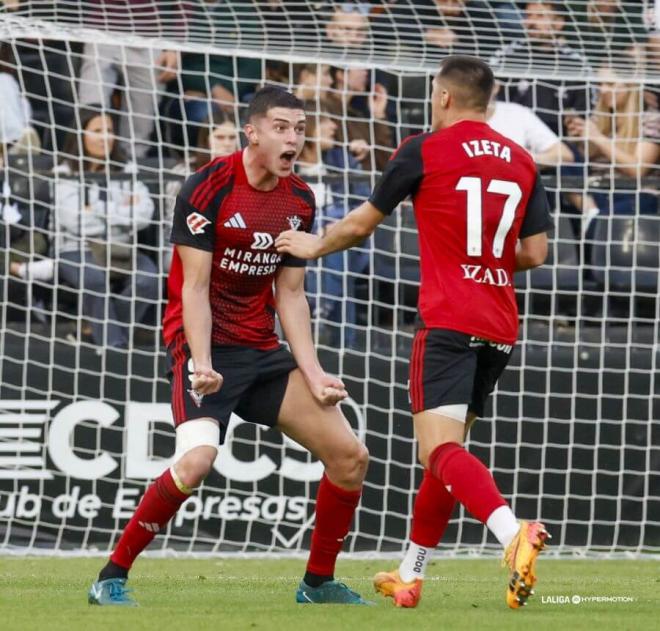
[329, 390]
[300, 244]
[206, 381]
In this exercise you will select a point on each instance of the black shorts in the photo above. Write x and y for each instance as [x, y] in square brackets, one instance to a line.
[449, 367]
[254, 385]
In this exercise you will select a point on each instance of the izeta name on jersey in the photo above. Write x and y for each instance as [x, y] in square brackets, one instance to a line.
[476, 148]
[250, 263]
[485, 275]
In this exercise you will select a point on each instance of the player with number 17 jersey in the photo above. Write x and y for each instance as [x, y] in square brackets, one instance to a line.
[482, 214]
[475, 193]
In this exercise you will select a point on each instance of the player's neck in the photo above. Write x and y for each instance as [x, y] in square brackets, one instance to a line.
[258, 176]
[465, 115]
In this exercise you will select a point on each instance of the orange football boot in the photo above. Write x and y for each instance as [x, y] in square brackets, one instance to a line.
[520, 557]
[403, 594]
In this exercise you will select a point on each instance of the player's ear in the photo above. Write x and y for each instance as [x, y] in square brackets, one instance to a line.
[445, 98]
[251, 133]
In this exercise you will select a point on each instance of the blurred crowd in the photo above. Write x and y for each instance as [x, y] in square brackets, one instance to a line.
[96, 137]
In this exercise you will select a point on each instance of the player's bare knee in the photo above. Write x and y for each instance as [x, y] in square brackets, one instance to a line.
[349, 468]
[193, 467]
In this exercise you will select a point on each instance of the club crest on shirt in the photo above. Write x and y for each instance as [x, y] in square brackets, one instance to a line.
[294, 221]
[197, 223]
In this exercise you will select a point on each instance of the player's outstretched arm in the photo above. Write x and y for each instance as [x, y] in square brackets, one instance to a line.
[531, 251]
[354, 228]
[197, 320]
[293, 311]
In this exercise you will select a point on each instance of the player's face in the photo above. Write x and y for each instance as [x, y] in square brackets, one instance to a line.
[99, 137]
[223, 140]
[279, 137]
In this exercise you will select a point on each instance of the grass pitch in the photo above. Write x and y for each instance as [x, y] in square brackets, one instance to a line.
[49, 594]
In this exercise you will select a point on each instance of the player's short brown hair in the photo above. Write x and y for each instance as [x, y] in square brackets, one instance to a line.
[269, 97]
[471, 79]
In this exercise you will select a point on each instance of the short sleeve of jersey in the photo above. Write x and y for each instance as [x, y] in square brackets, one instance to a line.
[537, 216]
[308, 196]
[192, 228]
[197, 204]
[401, 175]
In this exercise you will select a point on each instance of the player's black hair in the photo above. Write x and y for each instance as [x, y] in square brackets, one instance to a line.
[472, 78]
[269, 97]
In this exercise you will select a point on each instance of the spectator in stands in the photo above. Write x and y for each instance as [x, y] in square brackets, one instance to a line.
[545, 47]
[522, 125]
[652, 54]
[94, 223]
[361, 109]
[278, 73]
[622, 134]
[604, 29]
[258, 23]
[227, 80]
[217, 137]
[142, 70]
[360, 115]
[460, 26]
[313, 82]
[210, 82]
[347, 28]
[324, 164]
[16, 133]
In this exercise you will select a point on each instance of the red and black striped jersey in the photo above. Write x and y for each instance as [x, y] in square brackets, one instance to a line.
[474, 193]
[218, 211]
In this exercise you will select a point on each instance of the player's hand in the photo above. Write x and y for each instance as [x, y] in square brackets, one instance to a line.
[205, 381]
[300, 244]
[328, 390]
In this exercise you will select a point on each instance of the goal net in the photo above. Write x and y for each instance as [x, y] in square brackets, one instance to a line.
[109, 105]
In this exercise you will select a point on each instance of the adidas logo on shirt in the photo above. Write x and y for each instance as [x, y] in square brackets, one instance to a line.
[235, 221]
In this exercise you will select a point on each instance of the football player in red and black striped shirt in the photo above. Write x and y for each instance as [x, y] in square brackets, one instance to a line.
[482, 214]
[224, 355]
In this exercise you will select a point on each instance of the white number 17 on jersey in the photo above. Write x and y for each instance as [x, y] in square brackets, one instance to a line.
[473, 186]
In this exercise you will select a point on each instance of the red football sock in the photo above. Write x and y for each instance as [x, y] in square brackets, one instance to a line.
[334, 511]
[469, 481]
[159, 504]
[431, 512]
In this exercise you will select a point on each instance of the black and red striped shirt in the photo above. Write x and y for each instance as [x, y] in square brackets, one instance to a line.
[218, 211]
